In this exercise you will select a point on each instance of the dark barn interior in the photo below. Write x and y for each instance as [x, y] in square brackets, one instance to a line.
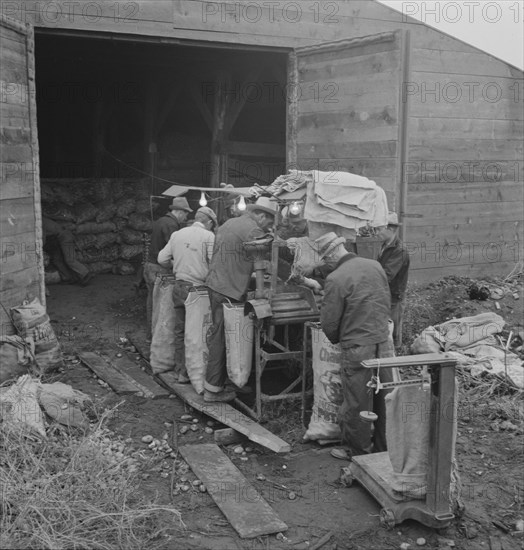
[102, 103]
[113, 112]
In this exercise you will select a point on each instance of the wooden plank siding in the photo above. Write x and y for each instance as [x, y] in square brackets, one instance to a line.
[357, 80]
[21, 262]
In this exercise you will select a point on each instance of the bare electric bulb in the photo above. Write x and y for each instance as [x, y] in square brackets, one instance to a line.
[203, 200]
[295, 208]
[241, 204]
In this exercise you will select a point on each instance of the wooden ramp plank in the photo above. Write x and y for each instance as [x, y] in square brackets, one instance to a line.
[226, 414]
[139, 341]
[246, 510]
[143, 381]
[119, 383]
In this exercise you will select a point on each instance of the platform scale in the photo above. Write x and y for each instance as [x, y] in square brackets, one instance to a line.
[374, 471]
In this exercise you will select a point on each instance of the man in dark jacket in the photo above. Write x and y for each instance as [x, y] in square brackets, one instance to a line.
[162, 231]
[228, 281]
[394, 259]
[354, 314]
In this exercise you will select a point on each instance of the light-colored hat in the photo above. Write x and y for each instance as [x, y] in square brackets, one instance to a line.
[209, 213]
[328, 242]
[264, 204]
[393, 219]
[180, 203]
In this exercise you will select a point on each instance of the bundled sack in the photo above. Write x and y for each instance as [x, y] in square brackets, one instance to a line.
[16, 356]
[31, 321]
[92, 227]
[327, 388]
[85, 212]
[239, 330]
[129, 251]
[100, 267]
[162, 357]
[131, 236]
[124, 268]
[140, 222]
[198, 321]
[105, 212]
[124, 207]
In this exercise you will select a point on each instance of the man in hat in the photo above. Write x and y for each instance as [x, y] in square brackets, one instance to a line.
[354, 314]
[188, 254]
[394, 259]
[162, 230]
[228, 281]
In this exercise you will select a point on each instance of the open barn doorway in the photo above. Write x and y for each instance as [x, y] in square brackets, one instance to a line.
[120, 119]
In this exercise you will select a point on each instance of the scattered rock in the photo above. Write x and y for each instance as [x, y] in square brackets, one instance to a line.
[405, 546]
[184, 429]
[208, 430]
[147, 439]
[292, 495]
[421, 541]
[202, 488]
[261, 477]
[194, 428]
[238, 450]
[186, 417]
[195, 420]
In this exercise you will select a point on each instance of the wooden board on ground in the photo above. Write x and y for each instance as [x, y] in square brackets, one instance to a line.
[125, 366]
[139, 341]
[100, 366]
[246, 510]
[226, 414]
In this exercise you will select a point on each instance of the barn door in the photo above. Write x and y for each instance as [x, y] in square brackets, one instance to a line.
[346, 111]
[20, 211]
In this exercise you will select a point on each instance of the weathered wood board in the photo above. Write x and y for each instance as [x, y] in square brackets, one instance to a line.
[246, 510]
[227, 415]
[143, 381]
[119, 383]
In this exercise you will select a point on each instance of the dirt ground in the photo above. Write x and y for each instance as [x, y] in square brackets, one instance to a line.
[489, 450]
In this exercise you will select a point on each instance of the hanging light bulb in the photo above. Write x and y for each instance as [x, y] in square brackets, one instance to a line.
[295, 208]
[203, 200]
[241, 203]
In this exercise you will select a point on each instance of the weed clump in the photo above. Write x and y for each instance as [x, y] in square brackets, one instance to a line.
[68, 491]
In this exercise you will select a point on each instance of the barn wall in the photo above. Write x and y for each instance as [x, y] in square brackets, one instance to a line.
[470, 224]
[20, 224]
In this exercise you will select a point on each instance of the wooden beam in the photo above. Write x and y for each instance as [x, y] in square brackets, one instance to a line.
[292, 112]
[166, 110]
[251, 149]
[227, 415]
[196, 93]
[246, 510]
[236, 108]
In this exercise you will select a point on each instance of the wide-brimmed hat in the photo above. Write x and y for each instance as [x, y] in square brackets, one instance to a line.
[209, 213]
[264, 204]
[393, 219]
[328, 242]
[180, 203]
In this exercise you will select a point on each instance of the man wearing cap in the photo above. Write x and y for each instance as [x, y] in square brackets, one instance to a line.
[228, 281]
[162, 230]
[394, 259]
[354, 314]
[188, 253]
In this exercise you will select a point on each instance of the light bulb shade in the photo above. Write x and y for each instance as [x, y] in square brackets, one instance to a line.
[203, 200]
[241, 203]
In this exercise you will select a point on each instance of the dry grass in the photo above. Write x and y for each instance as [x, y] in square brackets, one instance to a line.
[74, 492]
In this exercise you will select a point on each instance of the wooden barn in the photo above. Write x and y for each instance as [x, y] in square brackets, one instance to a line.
[103, 93]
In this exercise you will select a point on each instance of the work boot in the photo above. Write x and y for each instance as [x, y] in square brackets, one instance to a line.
[223, 396]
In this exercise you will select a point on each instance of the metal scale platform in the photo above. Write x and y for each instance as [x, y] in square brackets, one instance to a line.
[374, 471]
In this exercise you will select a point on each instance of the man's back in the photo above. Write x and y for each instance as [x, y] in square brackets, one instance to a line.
[356, 304]
[191, 249]
[231, 266]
